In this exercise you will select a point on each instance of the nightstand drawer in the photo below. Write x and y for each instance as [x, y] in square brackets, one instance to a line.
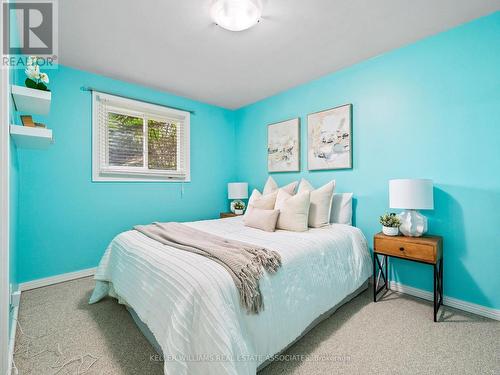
[415, 251]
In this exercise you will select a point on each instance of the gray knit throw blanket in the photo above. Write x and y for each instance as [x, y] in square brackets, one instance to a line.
[244, 262]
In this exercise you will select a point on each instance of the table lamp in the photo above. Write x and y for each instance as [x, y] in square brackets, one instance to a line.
[411, 195]
[237, 191]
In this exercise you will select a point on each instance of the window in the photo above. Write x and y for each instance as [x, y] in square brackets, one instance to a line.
[137, 141]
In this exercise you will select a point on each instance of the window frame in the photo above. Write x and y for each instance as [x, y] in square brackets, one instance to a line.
[137, 108]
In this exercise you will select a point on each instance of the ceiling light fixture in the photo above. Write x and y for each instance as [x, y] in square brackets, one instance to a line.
[236, 15]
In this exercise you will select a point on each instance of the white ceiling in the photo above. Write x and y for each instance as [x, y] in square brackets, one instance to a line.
[172, 45]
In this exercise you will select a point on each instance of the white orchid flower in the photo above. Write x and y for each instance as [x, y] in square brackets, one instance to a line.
[33, 72]
[32, 60]
[44, 77]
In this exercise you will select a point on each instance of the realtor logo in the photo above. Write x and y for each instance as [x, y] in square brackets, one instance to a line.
[29, 29]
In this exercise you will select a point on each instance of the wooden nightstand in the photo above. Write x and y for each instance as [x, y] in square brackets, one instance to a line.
[426, 249]
[223, 215]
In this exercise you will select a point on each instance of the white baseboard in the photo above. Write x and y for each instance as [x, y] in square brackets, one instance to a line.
[12, 339]
[487, 312]
[56, 279]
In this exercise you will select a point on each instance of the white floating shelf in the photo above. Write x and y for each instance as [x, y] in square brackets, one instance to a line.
[31, 101]
[28, 137]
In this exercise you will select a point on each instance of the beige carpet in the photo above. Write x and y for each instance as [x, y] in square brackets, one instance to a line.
[393, 336]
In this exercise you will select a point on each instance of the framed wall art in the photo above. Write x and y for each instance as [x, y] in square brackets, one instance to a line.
[283, 146]
[329, 139]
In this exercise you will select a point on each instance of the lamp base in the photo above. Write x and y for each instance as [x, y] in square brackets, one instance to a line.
[413, 224]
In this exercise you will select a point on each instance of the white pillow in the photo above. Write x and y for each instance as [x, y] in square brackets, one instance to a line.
[258, 200]
[271, 186]
[294, 210]
[342, 208]
[321, 202]
[261, 219]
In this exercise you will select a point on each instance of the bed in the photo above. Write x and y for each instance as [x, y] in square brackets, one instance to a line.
[190, 309]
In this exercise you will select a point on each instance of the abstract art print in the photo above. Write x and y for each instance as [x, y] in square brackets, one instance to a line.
[283, 146]
[329, 139]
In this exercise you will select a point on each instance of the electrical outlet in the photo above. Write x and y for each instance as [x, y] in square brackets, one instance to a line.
[16, 298]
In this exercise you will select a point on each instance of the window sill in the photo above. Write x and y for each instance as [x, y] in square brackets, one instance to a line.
[122, 177]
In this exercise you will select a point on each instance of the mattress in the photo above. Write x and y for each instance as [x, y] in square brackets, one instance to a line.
[191, 306]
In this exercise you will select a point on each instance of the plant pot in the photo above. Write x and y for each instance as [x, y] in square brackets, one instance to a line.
[238, 212]
[390, 231]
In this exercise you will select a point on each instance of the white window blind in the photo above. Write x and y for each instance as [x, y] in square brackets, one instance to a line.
[137, 141]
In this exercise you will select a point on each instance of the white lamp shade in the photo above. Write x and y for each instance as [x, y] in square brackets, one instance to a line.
[411, 194]
[237, 190]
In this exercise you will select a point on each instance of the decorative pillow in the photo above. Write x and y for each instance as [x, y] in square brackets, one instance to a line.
[261, 219]
[294, 210]
[259, 200]
[342, 208]
[321, 202]
[271, 186]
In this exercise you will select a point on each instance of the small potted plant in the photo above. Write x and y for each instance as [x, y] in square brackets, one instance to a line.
[36, 80]
[239, 207]
[390, 224]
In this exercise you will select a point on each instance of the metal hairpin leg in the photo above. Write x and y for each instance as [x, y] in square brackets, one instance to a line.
[438, 287]
[380, 273]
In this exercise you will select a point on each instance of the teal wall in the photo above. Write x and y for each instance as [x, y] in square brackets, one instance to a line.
[66, 221]
[429, 110]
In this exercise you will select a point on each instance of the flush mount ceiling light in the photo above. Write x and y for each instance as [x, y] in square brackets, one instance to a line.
[236, 15]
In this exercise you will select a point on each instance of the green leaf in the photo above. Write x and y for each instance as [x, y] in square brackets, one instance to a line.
[41, 86]
[30, 83]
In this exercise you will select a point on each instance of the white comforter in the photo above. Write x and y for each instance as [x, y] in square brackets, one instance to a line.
[192, 307]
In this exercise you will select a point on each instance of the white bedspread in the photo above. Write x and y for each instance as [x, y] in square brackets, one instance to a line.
[192, 307]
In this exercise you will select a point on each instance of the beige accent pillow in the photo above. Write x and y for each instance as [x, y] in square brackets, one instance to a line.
[294, 210]
[271, 186]
[261, 219]
[321, 202]
[259, 200]
[267, 199]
